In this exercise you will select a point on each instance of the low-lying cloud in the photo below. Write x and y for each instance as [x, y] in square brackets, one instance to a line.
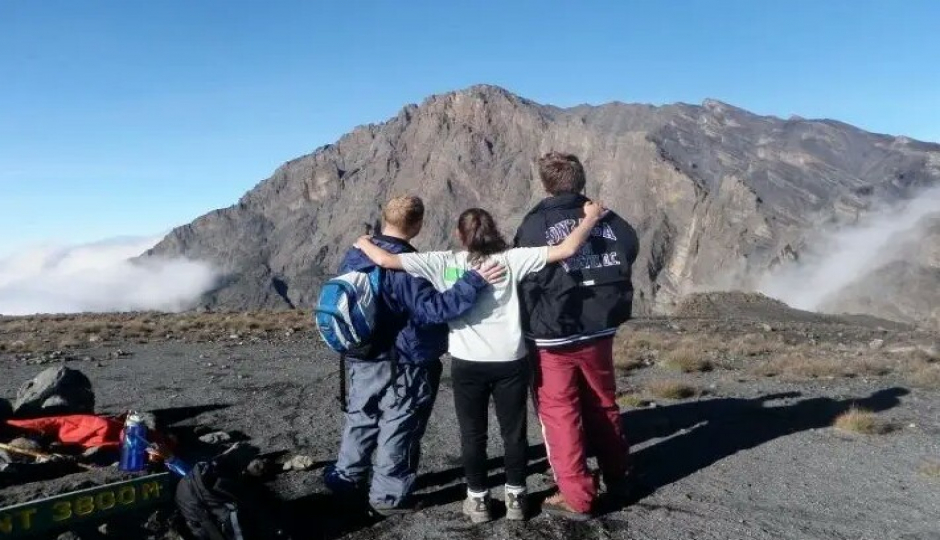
[838, 258]
[99, 277]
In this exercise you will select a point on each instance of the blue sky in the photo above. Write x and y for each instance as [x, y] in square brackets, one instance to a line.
[127, 118]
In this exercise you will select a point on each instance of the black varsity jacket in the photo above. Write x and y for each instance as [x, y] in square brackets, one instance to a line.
[586, 296]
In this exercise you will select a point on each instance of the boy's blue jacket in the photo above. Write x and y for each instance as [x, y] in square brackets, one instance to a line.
[412, 314]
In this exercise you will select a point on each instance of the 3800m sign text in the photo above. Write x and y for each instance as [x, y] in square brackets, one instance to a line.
[26, 519]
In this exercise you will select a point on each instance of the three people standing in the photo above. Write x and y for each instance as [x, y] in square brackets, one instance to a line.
[566, 289]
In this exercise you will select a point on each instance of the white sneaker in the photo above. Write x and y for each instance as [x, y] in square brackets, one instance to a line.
[477, 508]
[515, 506]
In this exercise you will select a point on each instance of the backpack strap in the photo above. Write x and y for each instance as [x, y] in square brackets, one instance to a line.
[342, 383]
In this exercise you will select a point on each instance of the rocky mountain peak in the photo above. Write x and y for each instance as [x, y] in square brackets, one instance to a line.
[718, 194]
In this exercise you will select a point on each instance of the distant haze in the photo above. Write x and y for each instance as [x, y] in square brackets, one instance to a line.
[99, 277]
[837, 258]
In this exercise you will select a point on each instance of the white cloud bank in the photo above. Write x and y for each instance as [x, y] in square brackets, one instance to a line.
[99, 277]
[839, 258]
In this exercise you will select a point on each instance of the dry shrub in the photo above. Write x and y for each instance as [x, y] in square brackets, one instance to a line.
[857, 420]
[23, 345]
[90, 327]
[797, 365]
[632, 350]
[926, 376]
[645, 340]
[626, 362]
[667, 389]
[925, 356]
[40, 333]
[751, 345]
[931, 469]
[70, 341]
[631, 401]
[686, 359]
[870, 367]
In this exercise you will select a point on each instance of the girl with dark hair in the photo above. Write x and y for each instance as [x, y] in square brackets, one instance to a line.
[487, 345]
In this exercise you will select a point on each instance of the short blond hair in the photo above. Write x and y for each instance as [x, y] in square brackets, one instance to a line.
[405, 212]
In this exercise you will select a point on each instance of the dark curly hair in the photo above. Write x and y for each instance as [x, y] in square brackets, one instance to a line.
[479, 234]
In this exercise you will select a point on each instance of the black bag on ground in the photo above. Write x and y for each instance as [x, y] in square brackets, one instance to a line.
[217, 503]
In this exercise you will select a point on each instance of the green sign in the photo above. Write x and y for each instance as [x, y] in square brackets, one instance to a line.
[26, 519]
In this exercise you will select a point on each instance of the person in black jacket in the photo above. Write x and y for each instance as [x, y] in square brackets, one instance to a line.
[571, 311]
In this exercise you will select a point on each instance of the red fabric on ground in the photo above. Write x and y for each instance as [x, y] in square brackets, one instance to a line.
[576, 391]
[84, 430]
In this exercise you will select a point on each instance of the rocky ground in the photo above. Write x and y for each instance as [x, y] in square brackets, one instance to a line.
[730, 410]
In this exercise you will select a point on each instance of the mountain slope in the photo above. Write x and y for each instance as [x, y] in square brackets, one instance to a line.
[718, 194]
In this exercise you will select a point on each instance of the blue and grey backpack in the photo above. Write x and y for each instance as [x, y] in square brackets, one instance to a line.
[346, 311]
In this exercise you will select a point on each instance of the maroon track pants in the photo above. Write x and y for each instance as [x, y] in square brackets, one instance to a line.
[576, 392]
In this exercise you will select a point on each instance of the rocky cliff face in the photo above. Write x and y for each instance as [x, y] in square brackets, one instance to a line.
[718, 194]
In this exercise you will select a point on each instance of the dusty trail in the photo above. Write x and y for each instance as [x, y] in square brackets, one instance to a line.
[752, 458]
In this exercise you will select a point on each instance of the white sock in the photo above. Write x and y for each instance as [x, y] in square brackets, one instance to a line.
[477, 494]
[515, 490]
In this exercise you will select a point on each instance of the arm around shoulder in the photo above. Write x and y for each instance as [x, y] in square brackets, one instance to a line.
[427, 305]
[379, 256]
[592, 214]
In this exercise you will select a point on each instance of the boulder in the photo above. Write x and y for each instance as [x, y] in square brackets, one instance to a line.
[55, 391]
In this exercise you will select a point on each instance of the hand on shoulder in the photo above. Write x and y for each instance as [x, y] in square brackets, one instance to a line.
[362, 240]
[594, 210]
[491, 271]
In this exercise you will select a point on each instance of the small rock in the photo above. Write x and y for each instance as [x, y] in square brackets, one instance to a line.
[234, 336]
[120, 353]
[876, 344]
[259, 467]
[155, 522]
[94, 338]
[18, 344]
[68, 536]
[766, 327]
[216, 437]
[299, 463]
[103, 529]
[23, 443]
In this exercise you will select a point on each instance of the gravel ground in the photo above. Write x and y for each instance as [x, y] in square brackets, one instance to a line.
[751, 457]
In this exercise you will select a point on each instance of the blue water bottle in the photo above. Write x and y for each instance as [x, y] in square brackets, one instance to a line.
[177, 465]
[133, 444]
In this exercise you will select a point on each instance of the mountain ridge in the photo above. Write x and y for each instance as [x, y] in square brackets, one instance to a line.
[719, 194]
